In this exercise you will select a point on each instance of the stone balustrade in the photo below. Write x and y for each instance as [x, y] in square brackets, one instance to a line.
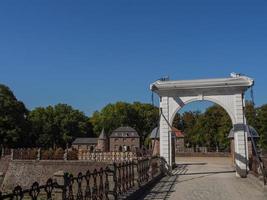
[106, 156]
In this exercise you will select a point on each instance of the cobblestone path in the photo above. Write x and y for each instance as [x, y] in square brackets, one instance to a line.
[207, 179]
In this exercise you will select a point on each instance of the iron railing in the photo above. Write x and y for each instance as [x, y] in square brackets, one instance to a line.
[36, 190]
[259, 160]
[113, 182]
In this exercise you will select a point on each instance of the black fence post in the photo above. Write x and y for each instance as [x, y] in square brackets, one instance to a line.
[115, 179]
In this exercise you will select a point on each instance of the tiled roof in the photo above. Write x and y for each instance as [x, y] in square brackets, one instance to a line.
[124, 131]
[85, 141]
[178, 133]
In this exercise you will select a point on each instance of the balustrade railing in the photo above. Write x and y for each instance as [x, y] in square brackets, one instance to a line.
[113, 182]
[106, 156]
[72, 154]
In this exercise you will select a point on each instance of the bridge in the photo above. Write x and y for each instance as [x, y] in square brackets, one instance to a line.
[226, 92]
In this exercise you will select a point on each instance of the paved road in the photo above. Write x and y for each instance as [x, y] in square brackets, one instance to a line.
[207, 179]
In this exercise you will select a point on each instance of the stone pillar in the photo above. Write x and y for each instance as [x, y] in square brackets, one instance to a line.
[240, 138]
[65, 156]
[165, 139]
[59, 178]
[39, 154]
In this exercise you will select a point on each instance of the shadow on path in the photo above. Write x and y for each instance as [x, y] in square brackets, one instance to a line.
[165, 187]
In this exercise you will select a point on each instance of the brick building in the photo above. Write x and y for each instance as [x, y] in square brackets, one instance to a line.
[124, 139]
[121, 139]
[85, 143]
[177, 140]
[154, 136]
[103, 142]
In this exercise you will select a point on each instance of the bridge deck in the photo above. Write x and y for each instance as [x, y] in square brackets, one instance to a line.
[205, 178]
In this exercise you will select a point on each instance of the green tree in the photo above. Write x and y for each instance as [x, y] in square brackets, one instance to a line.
[147, 117]
[262, 125]
[177, 122]
[210, 128]
[142, 117]
[250, 113]
[218, 125]
[13, 123]
[59, 125]
[189, 120]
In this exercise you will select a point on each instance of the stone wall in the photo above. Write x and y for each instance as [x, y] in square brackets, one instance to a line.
[24, 173]
[107, 156]
[116, 143]
[4, 162]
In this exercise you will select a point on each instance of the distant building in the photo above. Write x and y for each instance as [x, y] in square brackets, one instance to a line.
[177, 140]
[154, 136]
[103, 142]
[124, 139]
[121, 139]
[85, 143]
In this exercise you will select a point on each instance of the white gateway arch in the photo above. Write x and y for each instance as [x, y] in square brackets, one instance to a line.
[226, 92]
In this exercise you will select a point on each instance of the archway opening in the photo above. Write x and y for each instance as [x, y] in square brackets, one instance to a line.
[204, 126]
[200, 136]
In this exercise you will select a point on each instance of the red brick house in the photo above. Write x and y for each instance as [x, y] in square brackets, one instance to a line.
[124, 139]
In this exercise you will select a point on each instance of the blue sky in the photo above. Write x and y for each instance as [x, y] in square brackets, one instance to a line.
[90, 53]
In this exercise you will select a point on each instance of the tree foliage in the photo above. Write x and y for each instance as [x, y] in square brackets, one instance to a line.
[57, 126]
[13, 123]
[262, 125]
[140, 116]
[209, 129]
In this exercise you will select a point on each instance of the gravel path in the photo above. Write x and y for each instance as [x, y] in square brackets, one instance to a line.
[207, 179]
